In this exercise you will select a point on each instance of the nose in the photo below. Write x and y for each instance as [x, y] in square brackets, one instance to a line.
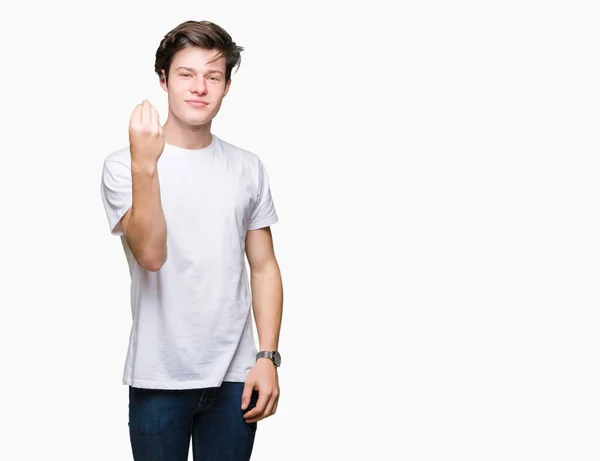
[199, 86]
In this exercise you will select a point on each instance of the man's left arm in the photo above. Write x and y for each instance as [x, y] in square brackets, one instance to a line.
[267, 302]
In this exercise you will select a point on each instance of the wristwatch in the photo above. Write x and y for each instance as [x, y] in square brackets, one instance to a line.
[273, 355]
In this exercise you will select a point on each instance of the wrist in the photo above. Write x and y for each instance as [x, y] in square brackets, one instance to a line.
[145, 168]
[273, 356]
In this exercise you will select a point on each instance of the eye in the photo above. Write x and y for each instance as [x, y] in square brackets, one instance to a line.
[186, 75]
[214, 79]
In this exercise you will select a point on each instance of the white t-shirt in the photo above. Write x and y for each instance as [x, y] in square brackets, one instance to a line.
[192, 325]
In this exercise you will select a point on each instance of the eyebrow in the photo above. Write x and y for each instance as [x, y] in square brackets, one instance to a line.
[213, 71]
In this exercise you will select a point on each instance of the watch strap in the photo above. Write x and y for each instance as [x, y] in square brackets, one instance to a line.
[272, 355]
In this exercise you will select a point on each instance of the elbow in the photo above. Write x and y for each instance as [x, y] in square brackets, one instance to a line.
[152, 263]
[152, 266]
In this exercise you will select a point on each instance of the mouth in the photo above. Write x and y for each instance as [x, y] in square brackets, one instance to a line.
[196, 103]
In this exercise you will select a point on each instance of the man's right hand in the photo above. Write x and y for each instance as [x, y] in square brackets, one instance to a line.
[146, 137]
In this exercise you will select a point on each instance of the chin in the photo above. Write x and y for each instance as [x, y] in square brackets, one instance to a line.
[195, 120]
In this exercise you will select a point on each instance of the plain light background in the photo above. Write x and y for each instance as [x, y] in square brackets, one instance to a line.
[435, 170]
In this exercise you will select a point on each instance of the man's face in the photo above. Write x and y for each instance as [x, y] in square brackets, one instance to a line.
[196, 86]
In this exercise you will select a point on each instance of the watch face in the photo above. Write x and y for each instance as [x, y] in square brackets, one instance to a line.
[277, 359]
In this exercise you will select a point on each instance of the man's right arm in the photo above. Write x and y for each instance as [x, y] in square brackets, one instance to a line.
[144, 223]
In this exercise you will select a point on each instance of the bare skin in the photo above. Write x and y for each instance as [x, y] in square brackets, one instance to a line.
[144, 223]
[267, 301]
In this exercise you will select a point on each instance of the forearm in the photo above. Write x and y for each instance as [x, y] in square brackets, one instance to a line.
[147, 228]
[267, 301]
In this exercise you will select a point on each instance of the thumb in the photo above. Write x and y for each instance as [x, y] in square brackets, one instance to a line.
[248, 386]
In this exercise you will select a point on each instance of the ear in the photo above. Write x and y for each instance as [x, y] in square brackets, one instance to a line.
[163, 80]
[227, 85]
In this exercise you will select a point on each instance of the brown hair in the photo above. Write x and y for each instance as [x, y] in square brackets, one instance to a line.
[203, 34]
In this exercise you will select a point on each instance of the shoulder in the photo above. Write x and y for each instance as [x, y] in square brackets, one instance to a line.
[116, 168]
[241, 155]
[118, 158]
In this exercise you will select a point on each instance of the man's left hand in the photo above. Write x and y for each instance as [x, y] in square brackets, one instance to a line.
[262, 378]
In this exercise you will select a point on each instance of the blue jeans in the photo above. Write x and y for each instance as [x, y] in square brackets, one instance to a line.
[162, 422]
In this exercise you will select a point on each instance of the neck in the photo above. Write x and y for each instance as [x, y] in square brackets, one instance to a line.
[185, 136]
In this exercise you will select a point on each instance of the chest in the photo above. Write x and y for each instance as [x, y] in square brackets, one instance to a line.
[207, 196]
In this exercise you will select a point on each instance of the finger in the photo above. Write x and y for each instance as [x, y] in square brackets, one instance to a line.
[136, 115]
[269, 409]
[247, 394]
[146, 112]
[263, 399]
[154, 119]
[275, 403]
[263, 415]
[272, 402]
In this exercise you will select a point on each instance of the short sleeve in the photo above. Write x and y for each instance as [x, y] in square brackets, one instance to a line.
[263, 213]
[116, 192]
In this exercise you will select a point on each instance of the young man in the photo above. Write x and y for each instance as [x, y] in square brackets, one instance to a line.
[189, 208]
